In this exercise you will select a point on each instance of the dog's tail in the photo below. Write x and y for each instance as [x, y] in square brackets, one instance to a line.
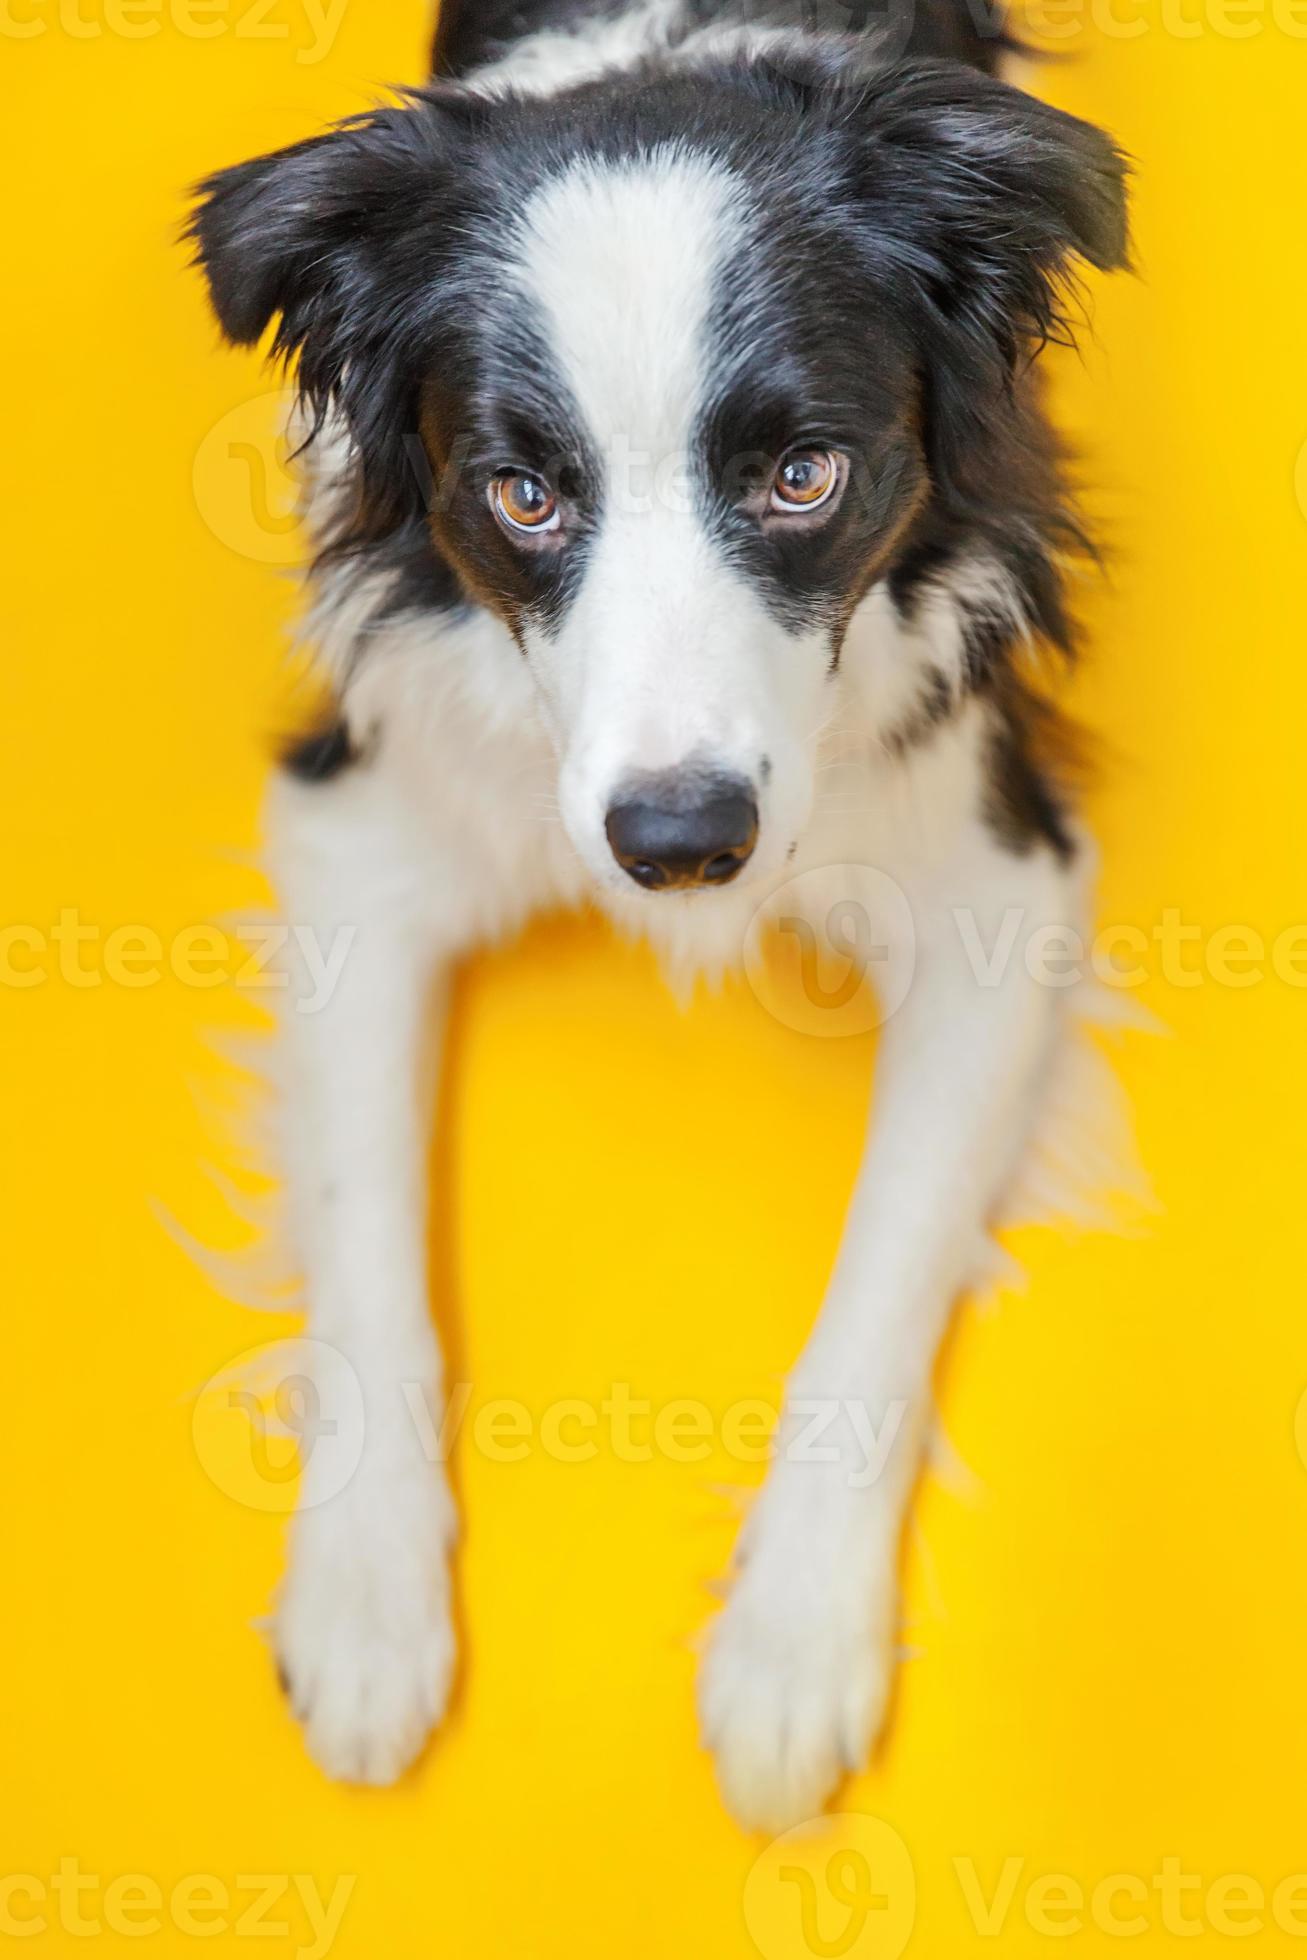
[972, 31]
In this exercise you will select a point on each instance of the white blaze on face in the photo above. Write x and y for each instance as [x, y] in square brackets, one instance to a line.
[666, 656]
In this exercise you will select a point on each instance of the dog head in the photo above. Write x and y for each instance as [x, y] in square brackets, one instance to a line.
[672, 371]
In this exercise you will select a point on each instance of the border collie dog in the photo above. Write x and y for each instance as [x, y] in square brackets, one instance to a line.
[684, 515]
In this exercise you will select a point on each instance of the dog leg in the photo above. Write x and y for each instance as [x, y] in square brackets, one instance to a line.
[363, 1628]
[795, 1684]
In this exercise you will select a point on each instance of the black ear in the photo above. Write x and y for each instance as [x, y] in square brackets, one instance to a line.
[972, 204]
[990, 196]
[308, 232]
[269, 233]
[345, 240]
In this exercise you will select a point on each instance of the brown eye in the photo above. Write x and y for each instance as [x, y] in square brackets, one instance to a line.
[806, 480]
[524, 503]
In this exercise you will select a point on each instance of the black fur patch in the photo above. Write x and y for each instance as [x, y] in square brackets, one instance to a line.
[936, 704]
[1026, 805]
[321, 755]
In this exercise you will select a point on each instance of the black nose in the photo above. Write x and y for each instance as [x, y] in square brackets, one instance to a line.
[676, 832]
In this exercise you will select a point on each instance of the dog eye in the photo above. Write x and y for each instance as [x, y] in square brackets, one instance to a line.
[524, 503]
[807, 479]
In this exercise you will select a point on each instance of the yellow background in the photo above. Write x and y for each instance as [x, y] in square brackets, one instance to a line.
[1109, 1617]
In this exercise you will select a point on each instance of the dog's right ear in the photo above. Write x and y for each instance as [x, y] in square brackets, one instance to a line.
[307, 233]
[347, 241]
[271, 234]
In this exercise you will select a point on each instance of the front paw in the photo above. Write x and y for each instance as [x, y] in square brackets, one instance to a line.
[794, 1687]
[363, 1631]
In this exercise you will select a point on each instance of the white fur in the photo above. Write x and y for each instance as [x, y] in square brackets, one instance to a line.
[363, 1624]
[481, 802]
[544, 64]
[797, 1678]
[667, 657]
[447, 840]
[547, 63]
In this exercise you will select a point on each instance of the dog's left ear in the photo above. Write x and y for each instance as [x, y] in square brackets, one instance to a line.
[986, 196]
[975, 201]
